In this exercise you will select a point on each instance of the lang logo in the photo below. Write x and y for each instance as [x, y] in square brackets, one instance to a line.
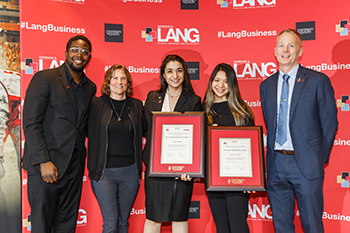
[246, 70]
[169, 35]
[343, 179]
[148, 34]
[255, 212]
[343, 27]
[45, 62]
[27, 223]
[246, 4]
[224, 3]
[343, 103]
[29, 66]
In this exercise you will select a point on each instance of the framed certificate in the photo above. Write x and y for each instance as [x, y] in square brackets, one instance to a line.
[177, 144]
[235, 159]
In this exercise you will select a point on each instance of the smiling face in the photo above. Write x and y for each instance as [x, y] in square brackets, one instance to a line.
[220, 87]
[77, 62]
[174, 74]
[288, 50]
[118, 85]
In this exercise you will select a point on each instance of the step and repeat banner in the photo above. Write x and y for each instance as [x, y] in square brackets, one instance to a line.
[242, 33]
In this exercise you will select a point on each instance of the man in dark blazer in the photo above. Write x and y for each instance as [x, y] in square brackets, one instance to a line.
[301, 120]
[55, 115]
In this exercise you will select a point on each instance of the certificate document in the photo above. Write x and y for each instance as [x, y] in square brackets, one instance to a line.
[235, 157]
[177, 144]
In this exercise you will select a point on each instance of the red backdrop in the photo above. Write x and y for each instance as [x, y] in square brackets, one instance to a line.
[140, 33]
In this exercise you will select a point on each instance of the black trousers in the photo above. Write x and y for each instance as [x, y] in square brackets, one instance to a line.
[230, 211]
[54, 207]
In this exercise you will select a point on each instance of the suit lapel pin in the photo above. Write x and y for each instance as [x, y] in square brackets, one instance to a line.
[300, 80]
[159, 99]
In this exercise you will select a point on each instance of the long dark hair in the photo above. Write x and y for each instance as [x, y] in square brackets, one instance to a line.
[238, 107]
[187, 81]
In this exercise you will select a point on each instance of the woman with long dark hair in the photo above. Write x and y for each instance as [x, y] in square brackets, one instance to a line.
[224, 106]
[168, 199]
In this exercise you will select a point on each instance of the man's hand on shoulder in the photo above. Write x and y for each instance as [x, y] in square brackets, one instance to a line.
[49, 172]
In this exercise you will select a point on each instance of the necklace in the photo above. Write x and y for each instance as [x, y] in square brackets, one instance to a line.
[173, 96]
[116, 113]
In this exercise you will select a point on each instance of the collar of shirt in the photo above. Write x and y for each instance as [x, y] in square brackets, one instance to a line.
[292, 74]
[72, 81]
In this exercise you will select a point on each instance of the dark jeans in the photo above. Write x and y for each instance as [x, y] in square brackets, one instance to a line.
[116, 193]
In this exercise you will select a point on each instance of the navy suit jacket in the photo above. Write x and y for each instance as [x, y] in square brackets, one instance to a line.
[312, 120]
[50, 121]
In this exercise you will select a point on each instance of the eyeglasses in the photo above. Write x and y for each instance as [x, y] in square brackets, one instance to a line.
[76, 50]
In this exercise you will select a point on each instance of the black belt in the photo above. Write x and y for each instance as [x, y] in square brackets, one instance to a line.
[286, 152]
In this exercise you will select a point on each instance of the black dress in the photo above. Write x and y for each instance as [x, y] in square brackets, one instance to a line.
[229, 209]
[167, 199]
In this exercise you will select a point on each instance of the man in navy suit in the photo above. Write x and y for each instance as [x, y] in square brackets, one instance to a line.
[55, 114]
[301, 120]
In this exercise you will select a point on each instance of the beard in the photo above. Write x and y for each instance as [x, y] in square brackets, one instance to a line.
[75, 68]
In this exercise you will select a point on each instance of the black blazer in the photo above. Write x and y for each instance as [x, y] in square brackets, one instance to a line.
[50, 121]
[187, 102]
[100, 116]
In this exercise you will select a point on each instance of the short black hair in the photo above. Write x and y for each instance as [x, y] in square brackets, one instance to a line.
[78, 37]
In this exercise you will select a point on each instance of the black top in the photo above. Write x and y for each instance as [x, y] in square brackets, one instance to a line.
[99, 118]
[224, 116]
[120, 151]
[80, 93]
